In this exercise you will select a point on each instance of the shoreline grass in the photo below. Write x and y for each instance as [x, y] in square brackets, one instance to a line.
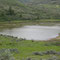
[15, 24]
[26, 48]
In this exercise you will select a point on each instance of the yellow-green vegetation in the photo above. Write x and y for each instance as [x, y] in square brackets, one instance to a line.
[22, 49]
[20, 23]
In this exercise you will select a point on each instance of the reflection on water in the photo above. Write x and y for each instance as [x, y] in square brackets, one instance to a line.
[33, 32]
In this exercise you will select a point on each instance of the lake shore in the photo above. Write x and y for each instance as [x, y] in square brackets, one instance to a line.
[25, 48]
[56, 39]
[14, 24]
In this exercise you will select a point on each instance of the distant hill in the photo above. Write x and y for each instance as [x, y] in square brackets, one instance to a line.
[42, 1]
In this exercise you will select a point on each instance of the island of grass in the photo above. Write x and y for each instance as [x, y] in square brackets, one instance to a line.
[12, 48]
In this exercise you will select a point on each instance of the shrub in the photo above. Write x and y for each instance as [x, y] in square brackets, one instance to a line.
[6, 55]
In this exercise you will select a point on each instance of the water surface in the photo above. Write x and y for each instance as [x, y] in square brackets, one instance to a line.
[33, 32]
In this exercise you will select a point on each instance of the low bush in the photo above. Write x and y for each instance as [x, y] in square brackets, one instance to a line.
[6, 55]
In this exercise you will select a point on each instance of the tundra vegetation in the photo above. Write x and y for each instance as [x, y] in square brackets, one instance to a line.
[12, 48]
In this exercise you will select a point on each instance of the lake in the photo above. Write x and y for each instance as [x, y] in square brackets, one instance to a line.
[33, 32]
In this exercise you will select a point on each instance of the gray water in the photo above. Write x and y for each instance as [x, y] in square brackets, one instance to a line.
[33, 32]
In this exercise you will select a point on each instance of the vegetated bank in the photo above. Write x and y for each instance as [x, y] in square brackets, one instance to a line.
[20, 23]
[22, 49]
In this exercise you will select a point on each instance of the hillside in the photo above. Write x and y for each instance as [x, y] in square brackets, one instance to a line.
[45, 9]
[29, 9]
[12, 6]
[42, 1]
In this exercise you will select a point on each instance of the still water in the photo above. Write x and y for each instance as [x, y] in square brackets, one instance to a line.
[33, 32]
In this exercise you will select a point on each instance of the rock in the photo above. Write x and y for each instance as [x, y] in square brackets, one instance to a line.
[50, 52]
[28, 58]
[38, 53]
[58, 53]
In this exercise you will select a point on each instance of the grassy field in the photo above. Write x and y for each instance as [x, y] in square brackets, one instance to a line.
[25, 48]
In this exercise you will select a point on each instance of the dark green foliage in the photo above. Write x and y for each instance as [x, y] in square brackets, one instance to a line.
[21, 16]
[10, 11]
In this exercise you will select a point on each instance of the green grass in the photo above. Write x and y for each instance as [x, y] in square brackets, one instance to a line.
[19, 23]
[27, 47]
